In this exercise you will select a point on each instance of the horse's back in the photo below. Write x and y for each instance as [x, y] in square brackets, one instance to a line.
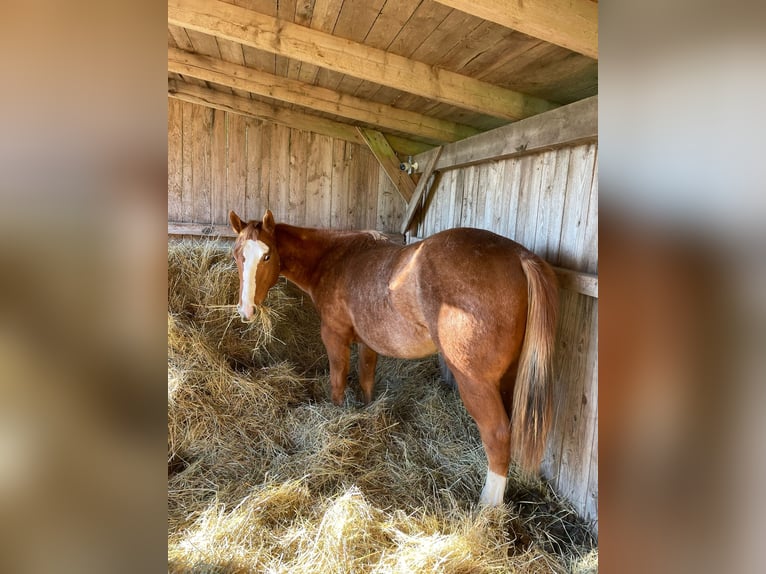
[473, 262]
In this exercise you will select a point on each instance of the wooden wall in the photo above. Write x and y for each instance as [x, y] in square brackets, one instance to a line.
[219, 161]
[548, 202]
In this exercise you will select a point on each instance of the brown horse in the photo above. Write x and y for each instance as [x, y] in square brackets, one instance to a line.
[486, 303]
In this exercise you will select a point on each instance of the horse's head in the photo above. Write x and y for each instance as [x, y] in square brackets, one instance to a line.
[257, 261]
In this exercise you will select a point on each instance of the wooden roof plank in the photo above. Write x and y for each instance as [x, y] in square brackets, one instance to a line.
[288, 39]
[572, 24]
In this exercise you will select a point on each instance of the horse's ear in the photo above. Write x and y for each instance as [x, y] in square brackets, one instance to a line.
[236, 223]
[268, 221]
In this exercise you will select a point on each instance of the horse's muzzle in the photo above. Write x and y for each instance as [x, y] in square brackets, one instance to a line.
[247, 314]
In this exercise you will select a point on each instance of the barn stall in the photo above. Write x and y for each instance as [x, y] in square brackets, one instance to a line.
[312, 109]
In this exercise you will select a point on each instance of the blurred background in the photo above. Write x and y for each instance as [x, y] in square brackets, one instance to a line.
[682, 246]
[83, 286]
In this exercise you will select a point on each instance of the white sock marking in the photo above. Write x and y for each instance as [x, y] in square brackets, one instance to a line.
[494, 490]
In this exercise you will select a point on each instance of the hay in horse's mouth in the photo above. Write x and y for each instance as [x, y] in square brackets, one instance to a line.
[267, 474]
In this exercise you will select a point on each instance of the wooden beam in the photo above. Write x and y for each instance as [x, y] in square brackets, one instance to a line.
[572, 24]
[262, 111]
[576, 281]
[284, 38]
[314, 97]
[224, 231]
[388, 160]
[202, 229]
[290, 118]
[421, 187]
[403, 146]
[567, 125]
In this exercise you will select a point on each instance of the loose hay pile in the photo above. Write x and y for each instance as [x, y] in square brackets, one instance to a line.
[266, 475]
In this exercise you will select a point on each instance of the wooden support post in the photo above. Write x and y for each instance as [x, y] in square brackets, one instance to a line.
[412, 206]
[388, 160]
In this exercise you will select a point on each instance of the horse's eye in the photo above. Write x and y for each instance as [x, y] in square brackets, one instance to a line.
[266, 257]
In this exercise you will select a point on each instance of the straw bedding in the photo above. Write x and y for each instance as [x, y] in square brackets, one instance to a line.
[265, 474]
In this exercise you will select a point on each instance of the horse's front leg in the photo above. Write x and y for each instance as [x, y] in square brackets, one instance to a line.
[368, 359]
[339, 353]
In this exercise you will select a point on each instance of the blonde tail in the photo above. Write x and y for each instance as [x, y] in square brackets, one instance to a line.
[532, 401]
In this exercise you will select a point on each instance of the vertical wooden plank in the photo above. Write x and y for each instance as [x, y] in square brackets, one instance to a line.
[512, 178]
[360, 191]
[590, 504]
[255, 195]
[202, 120]
[590, 244]
[469, 197]
[297, 182]
[219, 163]
[579, 414]
[339, 203]
[237, 168]
[529, 197]
[563, 461]
[455, 200]
[187, 196]
[457, 197]
[259, 167]
[480, 206]
[279, 158]
[371, 170]
[495, 194]
[354, 187]
[390, 205]
[439, 197]
[428, 211]
[541, 230]
[175, 159]
[576, 205]
[492, 190]
[552, 212]
[438, 209]
[319, 181]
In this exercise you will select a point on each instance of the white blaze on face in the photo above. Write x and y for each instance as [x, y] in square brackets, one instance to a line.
[252, 254]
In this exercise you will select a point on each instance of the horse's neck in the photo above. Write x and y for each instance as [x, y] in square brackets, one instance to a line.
[301, 251]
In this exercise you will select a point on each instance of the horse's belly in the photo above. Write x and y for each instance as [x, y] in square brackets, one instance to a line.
[399, 339]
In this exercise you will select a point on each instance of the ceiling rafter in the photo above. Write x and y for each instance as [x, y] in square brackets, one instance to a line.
[291, 118]
[296, 92]
[572, 24]
[285, 38]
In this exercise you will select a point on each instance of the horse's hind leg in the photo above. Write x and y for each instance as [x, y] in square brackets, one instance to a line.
[484, 403]
[368, 359]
